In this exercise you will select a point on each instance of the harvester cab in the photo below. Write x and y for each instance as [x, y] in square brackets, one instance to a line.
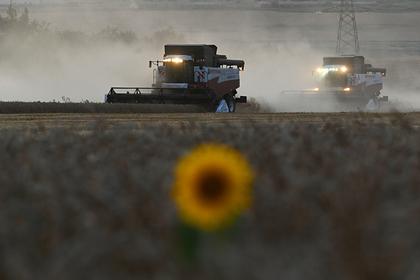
[174, 69]
[189, 74]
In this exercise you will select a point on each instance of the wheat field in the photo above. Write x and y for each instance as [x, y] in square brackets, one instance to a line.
[87, 196]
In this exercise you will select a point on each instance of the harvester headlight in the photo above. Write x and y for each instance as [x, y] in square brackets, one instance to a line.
[316, 89]
[347, 89]
[343, 69]
[176, 60]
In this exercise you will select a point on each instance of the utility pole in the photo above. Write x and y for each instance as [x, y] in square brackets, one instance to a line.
[347, 38]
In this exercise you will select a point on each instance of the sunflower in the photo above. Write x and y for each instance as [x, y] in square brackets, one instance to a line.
[212, 186]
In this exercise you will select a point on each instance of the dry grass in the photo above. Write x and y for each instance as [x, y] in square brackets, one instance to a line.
[337, 200]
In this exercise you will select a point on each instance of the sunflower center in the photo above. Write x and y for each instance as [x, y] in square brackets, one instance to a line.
[212, 187]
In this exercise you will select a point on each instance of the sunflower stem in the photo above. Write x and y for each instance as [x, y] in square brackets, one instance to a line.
[189, 241]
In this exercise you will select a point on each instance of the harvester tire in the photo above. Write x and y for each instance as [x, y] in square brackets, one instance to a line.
[374, 105]
[226, 105]
[230, 100]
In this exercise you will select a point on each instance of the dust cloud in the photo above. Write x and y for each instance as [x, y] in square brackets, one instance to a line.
[82, 52]
[53, 64]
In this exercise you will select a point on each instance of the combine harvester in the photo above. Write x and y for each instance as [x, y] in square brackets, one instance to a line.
[344, 82]
[188, 74]
[352, 81]
[347, 82]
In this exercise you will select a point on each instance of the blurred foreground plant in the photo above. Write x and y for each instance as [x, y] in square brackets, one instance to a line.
[212, 188]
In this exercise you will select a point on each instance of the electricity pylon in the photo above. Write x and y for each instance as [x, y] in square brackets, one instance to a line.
[347, 38]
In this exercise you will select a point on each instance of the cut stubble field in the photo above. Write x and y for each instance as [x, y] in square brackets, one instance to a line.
[80, 120]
